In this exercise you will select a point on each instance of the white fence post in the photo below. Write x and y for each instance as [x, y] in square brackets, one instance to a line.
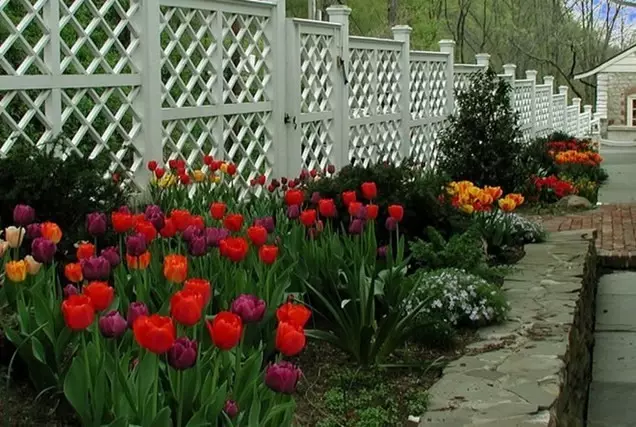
[563, 90]
[53, 104]
[532, 76]
[340, 14]
[148, 103]
[587, 109]
[403, 33]
[510, 70]
[577, 124]
[283, 146]
[483, 60]
[448, 46]
[549, 80]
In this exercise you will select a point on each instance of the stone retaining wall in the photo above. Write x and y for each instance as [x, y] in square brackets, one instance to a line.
[535, 369]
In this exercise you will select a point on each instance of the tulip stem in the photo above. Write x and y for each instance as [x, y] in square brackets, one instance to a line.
[87, 367]
[155, 387]
[180, 397]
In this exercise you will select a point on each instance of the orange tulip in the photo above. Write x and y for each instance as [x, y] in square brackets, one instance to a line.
[138, 263]
[73, 272]
[51, 231]
[507, 204]
[85, 250]
[16, 271]
[175, 268]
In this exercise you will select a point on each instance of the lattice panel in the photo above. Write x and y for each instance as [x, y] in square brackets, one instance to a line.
[246, 53]
[523, 103]
[22, 116]
[24, 35]
[375, 142]
[316, 144]
[188, 47]
[428, 89]
[103, 121]
[572, 119]
[360, 82]
[388, 77]
[424, 142]
[542, 105]
[98, 37]
[462, 81]
[316, 63]
[558, 112]
[190, 139]
[249, 144]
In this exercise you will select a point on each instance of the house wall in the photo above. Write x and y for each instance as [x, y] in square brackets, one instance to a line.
[619, 86]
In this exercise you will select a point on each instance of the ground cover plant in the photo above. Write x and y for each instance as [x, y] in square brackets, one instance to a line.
[200, 308]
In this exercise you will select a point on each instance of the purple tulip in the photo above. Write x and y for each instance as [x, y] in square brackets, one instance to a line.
[183, 353]
[43, 250]
[282, 377]
[231, 409]
[70, 290]
[362, 213]
[112, 325]
[382, 250]
[96, 223]
[33, 231]
[213, 235]
[266, 222]
[356, 226]
[190, 232]
[390, 224]
[198, 246]
[112, 255]
[135, 245]
[95, 268]
[293, 212]
[23, 215]
[155, 216]
[135, 310]
[249, 307]
[315, 197]
[124, 209]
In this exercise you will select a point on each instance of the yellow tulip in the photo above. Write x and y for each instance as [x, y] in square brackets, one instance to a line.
[517, 198]
[198, 175]
[216, 179]
[224, 167]
[33, 267]
[507, 204]
[469, 209]
[16, 271]
[495, 192]
[14, 236]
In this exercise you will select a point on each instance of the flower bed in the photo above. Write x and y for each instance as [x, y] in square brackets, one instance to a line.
[197, 310]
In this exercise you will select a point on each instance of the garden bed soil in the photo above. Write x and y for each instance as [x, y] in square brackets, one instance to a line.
[335, 391]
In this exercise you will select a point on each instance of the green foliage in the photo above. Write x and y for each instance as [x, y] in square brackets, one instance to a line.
[464, 251]
[483, 141]
[58, 183]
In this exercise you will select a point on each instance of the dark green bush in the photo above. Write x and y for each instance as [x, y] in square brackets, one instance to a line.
[60, 189]
[483, 141]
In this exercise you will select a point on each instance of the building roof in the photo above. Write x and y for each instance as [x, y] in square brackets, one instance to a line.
[612, 60]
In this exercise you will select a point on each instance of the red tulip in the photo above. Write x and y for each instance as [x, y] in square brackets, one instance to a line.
[217, 210]
[169, 229]
[348, 197]
[295, 314]
[369, 190]
[155, 333]
[201, 286]
[308, 217]
[354, 208]
[181, 219]
[101, 295]
[257, 234]
[327, 208]
[146, 228]
[186, 307]
[225, 330]
[78, 312]
[233, 222]
[268, 254]
[396, 212]
[152, 165]
[290, 339]
[122, 222]
[294, 197]
[235, 248]
[372, 211]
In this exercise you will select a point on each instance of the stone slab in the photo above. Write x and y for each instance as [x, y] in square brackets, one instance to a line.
[614, 357]
[612, 405]
[616, 313]
[524, 381]
[619, 282]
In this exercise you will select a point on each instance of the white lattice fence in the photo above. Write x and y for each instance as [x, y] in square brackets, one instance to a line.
[543, 108]
[428, 103]
[463, 75]
[374, 96]
[558, 111]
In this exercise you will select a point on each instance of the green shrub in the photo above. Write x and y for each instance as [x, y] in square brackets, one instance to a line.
[60, 189]
[464, 251]
[454, 298]
[483, 142]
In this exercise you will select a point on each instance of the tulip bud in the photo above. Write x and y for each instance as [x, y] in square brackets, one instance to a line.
[315, 197]
[23, 215]
[70, 290]
[14, 236]
[282, 377]
[96, 223]
[231, 409]
[390, 224]
[293, 212]
[155, 216]
[198, 246]
[43, 250]
[250, 308]
[135, 310]
[190, 232]
[356, 226]
[135, 245]
[33, 267]
[112, 325]
[183, 353]
[95, 268]
[266, 222]
[213, 235]
[382, 250]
